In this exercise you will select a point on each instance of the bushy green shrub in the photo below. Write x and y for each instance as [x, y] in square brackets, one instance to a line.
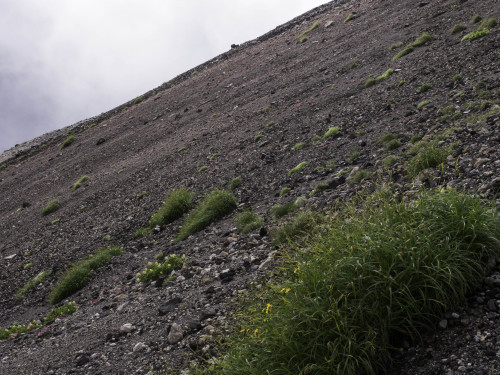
[176, 204]
[78, 275]
[378, 271]
[216, 205]
[68, 141]
[155, 270]
[235, 183]
[248, 222]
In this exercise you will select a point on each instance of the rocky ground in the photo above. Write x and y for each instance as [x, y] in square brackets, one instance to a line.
[242, 114]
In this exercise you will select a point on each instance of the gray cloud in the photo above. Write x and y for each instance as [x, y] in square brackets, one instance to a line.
[63, 61]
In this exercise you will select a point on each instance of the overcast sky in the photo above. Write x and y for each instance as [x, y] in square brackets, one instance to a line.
[62, 61]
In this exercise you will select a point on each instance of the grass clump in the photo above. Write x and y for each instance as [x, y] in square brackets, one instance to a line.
[214, 206]
[385, 270]
[203, 169]
[304, 33]
[389, 161]
[457, 29]
[422, 104]
[303, 39]
[317, 189]
[420, 41]
[401, 83]
[395, 46]
[428, 156]
[32, 283]
[78, 275]
[156, 270]
[235, 183]
[424, 88]
[372, 81]
[138, 99]
[248, 222]
[68, 141]
[141, 232]
[176, 204]
[79, 182]
[482, 30]
[303, 223]
[360, 174]
[257, 137]
[284, 191]
[350, 17]
[64, 310]
[354, 155]
[51, 207]
[279, 210]
[331, 131]
[475, 19]
[298, 168]
[298, 146]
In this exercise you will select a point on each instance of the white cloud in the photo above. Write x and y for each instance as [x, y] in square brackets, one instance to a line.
[62, 61]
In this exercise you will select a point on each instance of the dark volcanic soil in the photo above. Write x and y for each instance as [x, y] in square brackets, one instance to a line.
[289, 92]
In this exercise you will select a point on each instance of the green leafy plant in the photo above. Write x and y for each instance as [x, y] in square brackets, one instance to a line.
[214, 206]
[64, 310]
[176, 204]
[248, 222]
[17, 328]
[67, 142]
[78, 275]
[298, 168]
[51, 207]
[79, 182]
[156, 270]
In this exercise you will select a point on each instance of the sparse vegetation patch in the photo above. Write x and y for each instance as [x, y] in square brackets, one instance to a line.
[298, 168]
[482, 30]
[157, 270]
[176, 204]
[420, 41]
[51, 207]
[32, 283]
[248, 222]
[79, 182]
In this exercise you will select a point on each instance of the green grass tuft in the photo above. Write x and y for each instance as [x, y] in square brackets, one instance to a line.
[395, 46]
[257, 137]
[389, 161]
[361, 174]
[298, 168]
[51, 207]
[353, 156]
[424, 88]
[284, 191]
[482, 30]
[303, 223]
[457, 29]
[176, 204]
[420, 41]
[79, 182]
[248, 222]
[78, 275]
[372, 81]
[422, 104]
[331, 131]
[214, 206]
[235, 183]
[32, 283]
[203, 169]
[350, 17]
[429, 155]
[68, 141]
[279, 210]
[298, 146]
[475, 19]
[302, 35]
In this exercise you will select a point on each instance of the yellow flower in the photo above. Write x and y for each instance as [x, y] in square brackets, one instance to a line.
[267, 309]
[296, 270]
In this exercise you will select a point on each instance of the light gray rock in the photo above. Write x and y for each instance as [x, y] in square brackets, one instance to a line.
[175, 335]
